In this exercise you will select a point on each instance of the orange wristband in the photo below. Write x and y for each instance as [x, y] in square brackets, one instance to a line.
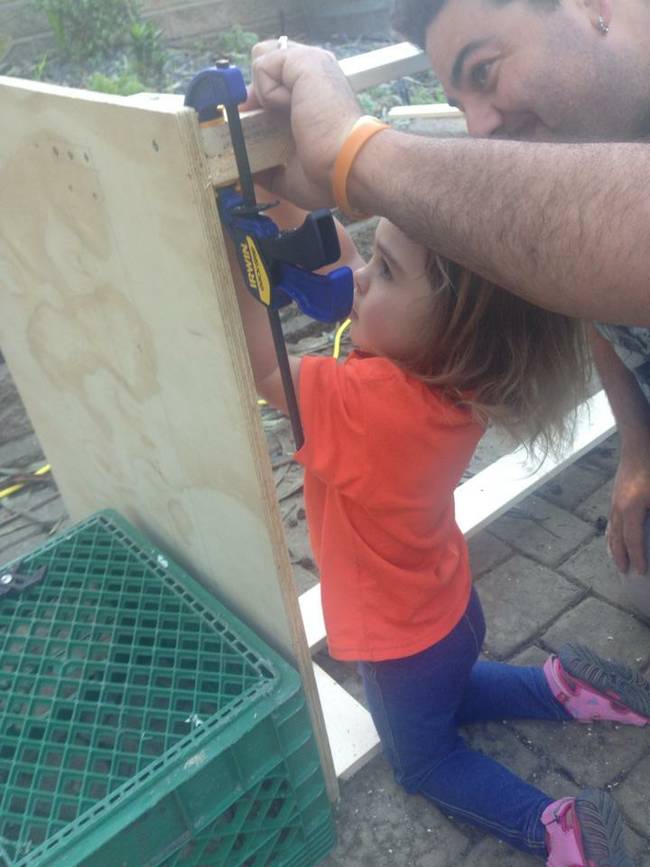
[362, 131]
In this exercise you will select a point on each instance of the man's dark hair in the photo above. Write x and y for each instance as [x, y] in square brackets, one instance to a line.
[411, 18]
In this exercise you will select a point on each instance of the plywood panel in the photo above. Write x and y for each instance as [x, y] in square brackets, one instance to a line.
[119, 323]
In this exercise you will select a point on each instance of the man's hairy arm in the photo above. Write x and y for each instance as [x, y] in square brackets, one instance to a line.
[565, 226]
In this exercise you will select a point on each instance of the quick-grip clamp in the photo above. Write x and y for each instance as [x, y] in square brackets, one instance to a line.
[277, 266]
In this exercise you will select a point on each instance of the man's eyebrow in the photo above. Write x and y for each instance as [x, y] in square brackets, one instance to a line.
[461, 57]
[392, 261]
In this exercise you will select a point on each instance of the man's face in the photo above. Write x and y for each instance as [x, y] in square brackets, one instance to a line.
[522, 72]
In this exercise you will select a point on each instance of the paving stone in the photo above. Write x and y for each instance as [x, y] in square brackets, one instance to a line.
[593, 755]
[603, 458]
[541, 531]
[287, 479]
[611, 633]
[638, 847]
[21, 452]
[593, 567]
[20, 543]
[344, 673]
[379, 825]
[14, 421]
[304, 579]
[595, 508]
[532, 655]
[571, 487]
[634, 797]
[44, 504]
[491, 852]
[485, 552]
[493, 445]
[511, 622]
[299, 548]
[496, 740]
[556, 783]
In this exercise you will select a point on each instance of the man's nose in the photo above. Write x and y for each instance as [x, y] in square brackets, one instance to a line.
[482, 118]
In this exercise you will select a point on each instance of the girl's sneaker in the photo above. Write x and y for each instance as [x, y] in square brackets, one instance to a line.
[591, 688]
[585, 831]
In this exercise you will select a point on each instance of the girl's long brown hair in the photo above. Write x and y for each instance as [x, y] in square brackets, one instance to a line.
[518, 366]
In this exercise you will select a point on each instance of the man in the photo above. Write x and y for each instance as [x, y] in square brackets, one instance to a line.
[565, 225]
[543, 71]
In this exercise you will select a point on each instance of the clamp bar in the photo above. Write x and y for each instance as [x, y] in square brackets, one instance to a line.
[278, 267]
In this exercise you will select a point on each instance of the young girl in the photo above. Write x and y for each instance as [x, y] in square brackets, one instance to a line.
[388, 434]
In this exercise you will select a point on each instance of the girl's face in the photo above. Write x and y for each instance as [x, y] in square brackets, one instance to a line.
[392, 296]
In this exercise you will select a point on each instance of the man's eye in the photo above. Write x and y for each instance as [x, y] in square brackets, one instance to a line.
[384, 270]
[480, 74]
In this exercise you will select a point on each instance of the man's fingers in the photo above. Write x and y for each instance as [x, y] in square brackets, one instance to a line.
[262, 48]
[634, 539]
[252, 102]
[616, 543]
[268, 82]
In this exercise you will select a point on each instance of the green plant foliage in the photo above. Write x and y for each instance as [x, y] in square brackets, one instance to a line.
[425, 89]
[5, 44]
[235, 44]
[125, 84]
[149, 55]
[87, 28]
[39, 68]
[377, 100]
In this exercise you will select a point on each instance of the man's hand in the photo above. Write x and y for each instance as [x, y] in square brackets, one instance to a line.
[307, 83]
[631, 495]
[629, 510]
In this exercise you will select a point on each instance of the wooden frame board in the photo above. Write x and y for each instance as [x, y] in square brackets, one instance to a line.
[120, 325]
[95, 185]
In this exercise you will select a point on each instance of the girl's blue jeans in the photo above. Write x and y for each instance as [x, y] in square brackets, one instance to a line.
[417, 704]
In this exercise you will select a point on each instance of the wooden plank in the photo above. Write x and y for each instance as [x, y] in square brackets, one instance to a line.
[350, 729]
[492, 492]
[434, 111]
[499, 487]
[120, 325]
[311, 610]
[384, 64]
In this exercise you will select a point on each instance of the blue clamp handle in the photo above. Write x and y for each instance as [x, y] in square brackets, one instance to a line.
[213, 87]
[325, 297]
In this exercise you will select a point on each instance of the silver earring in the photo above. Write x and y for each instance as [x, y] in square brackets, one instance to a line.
[602, 25]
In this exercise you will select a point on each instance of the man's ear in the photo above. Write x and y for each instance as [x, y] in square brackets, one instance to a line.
[600, 13]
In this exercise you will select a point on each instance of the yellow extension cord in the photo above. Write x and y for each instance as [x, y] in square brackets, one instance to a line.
[13, 488]
[336, 351]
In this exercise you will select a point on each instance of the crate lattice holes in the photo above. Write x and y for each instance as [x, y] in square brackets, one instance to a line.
[142, 724]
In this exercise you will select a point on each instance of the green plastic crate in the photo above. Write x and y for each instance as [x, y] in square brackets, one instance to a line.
[141, 723]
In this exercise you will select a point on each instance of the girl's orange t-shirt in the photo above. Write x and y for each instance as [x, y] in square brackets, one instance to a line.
[383, 453]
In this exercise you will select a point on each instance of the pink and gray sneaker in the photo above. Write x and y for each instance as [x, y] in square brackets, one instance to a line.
[592, 688]
[585, 831]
